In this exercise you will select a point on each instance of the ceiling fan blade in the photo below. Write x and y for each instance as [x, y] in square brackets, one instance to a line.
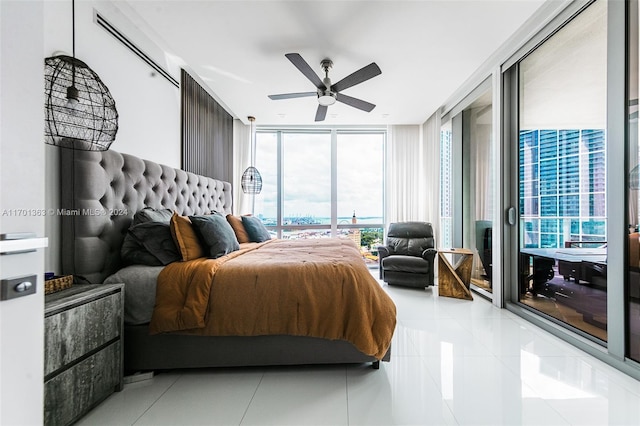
[321, 113]
[292, 95]
[305, 69]
[355, 102]
[363, 74]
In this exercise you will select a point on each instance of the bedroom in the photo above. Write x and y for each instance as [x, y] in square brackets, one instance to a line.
[150, 120]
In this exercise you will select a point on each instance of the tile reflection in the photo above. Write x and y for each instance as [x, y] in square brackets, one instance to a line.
[550, 382]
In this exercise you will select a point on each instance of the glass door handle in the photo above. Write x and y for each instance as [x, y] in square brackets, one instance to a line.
[511, 216]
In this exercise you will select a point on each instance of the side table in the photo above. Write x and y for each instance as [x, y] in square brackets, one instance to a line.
[454, 280]
[83, 349]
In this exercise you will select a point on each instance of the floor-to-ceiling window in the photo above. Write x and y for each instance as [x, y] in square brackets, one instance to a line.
[478, 187]
[306, 184]
[562, 143]
[320, 183]
[360, 183]
[466, 182]
[266, 203]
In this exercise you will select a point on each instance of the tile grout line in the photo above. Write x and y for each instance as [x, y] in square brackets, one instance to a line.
[252, 396]
[346, 390]
[157, 399]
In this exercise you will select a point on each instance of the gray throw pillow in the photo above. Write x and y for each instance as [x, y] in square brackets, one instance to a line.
[156, 238]
[256, 229]
[215, 234]
[149, 214]
[133, 252]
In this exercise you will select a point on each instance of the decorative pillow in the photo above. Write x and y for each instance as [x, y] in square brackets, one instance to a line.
[185, 237]
[134, 253]
[256, 229]
[156, 239]
[216, 234]
[149, 214]
[238, 228]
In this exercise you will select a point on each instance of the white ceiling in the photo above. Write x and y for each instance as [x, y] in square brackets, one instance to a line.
[426, 50]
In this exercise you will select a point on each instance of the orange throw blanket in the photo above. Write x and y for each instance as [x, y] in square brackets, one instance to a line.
[319, 288]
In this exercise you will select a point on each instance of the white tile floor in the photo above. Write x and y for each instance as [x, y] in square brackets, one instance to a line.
[454, 362]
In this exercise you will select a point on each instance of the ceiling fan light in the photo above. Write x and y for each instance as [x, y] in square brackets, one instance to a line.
[326, 100]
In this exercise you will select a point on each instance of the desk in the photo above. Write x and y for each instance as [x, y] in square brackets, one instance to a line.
[454, 280]
[572, 263]
[584, 284]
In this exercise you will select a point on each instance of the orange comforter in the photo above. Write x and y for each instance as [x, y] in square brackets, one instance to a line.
[318, 288]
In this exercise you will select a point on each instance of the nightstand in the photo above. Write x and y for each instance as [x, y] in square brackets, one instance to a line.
[83, 364]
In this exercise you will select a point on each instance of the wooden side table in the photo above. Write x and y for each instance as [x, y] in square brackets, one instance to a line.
[454, 280]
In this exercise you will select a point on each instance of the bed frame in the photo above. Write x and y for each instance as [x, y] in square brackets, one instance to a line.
[102, 193]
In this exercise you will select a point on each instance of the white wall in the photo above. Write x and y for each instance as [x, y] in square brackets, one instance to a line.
[148, 105]
[21, 199]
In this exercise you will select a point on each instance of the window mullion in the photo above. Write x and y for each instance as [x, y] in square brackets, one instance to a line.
[334, 183]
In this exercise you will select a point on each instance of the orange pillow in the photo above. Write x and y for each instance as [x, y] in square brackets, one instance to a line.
[238, 228]
[185, 237]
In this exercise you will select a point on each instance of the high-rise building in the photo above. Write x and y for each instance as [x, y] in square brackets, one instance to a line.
[446, 214]
[562, 186]
[354, 234]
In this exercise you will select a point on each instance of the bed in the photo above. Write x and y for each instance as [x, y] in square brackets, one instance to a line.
[103, 194]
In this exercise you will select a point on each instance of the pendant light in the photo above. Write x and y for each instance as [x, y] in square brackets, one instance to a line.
[251, 180]
[80, 113]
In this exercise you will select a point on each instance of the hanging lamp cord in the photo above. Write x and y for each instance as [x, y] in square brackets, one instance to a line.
[73, 28]
[252, 142]
[73, 42]
[73, 150]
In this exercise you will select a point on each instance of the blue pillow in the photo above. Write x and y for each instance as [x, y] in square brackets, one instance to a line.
[256, 229]
[215, 234]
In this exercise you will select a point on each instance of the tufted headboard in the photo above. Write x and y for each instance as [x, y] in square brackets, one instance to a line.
[100, 193]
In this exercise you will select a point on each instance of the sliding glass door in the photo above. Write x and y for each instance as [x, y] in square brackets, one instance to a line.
[562, 147]
[466, 183]
[633, 189]
[478, 189]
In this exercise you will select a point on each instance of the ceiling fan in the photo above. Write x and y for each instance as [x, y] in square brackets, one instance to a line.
[328, 93]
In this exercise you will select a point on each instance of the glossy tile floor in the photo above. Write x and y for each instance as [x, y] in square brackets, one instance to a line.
[454, 362]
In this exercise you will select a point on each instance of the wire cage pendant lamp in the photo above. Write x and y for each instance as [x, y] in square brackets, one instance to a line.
[251, 179]
[80, 112]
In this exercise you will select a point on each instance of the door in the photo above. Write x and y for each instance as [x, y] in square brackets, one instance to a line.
[560, 90]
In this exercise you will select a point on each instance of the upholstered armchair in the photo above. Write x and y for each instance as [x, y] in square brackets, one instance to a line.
[407, 258]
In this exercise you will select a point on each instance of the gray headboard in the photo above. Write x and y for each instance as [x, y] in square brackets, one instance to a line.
[100, 193]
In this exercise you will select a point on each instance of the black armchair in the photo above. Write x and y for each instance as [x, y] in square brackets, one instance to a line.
[407, 258]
